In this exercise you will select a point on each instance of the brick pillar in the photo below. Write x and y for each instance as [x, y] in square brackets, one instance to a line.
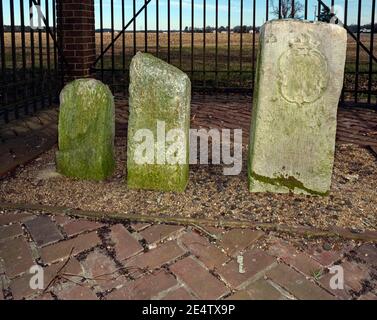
[76, 36]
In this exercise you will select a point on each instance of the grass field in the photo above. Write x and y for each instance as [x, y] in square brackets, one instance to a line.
[229, 59]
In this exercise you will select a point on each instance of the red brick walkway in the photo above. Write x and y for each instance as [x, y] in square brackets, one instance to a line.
[83, 259]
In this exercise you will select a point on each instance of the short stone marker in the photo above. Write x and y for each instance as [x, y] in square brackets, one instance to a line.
[158, 127]
[299, 79]
[86, 130]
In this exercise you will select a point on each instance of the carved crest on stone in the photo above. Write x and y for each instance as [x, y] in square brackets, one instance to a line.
[303, 71]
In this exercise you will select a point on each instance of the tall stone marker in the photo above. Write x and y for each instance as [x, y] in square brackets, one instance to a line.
[86, 130]
[158, 127]
[299, 79]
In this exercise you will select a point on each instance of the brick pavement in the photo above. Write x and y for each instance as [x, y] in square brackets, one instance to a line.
[90, 260]
[83, 259]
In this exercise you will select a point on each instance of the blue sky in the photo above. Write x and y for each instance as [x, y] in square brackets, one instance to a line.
[198, 12]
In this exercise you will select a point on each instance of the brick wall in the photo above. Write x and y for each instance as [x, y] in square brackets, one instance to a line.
[76, 36]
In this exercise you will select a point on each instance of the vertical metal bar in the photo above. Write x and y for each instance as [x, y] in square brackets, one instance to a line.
[60, 52]
[216, 43]
[134, 24]
[253, 49]
[23, 44]
[371, 49]
[14, 54]
[192, 38]
[123, 40]
[358, 51]
[345, 12]
[292, 9]
[32, 57]
[319, 10]
[204, 42]
[13, 39]
[40, 43]
[168, 31]
[2, 42]
[41, 71]
[180, 34]
[101, 35]
[279, 9]
[112, 41]
[54, 31]
[267, 9]
[145, 27]
[306, 10]
[3, 64]
[157, 30]
[23, 54]
[342, 98]
[228, 55]
[47, 16]
[241, 35]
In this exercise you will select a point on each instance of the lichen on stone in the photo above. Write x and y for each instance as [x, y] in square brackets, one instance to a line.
[298, 83]
[86, 130]
[158, 92]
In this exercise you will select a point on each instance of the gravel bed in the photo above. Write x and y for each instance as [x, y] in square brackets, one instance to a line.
[352, 201]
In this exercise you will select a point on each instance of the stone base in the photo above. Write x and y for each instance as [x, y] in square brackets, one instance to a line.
[158, 177]
[77, 164]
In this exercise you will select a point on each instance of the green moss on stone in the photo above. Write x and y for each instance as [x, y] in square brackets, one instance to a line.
[297, 86]
[289, 182]
[86, 130]
[158, 92]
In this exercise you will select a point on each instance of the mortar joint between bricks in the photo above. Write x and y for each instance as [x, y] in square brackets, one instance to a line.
[61, 230]
[165, 266]
[283, 291]
[308, 277]
[212, 272]
[164, 293]
[35, 253]
[5, 285]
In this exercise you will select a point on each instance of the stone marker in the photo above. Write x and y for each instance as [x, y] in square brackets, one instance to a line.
[299, 79]
[86, 130]
[158, 128]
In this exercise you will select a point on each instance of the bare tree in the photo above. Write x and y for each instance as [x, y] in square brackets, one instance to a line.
[288, 9]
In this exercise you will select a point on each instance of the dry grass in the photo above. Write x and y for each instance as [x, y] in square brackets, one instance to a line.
[210, 41]
[187, 61]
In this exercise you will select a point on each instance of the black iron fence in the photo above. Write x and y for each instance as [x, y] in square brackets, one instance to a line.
[29, 78]
[215, 41]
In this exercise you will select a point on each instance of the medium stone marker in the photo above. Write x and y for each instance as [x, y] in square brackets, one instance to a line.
[158, 127]
[299, 79]
[86, 130]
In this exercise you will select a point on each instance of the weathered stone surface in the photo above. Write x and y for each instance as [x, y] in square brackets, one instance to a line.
[86, 130]
[160, 96]
[299, 80]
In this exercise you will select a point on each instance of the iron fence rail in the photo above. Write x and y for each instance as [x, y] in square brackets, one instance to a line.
[214, 41]
[212, 63]
[29, 78]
